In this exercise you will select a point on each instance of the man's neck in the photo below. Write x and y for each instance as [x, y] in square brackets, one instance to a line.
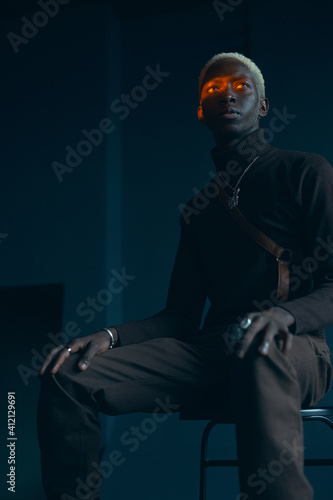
[226, 142]
[243, 152]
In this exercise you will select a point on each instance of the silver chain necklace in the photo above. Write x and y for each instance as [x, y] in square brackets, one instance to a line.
[233, 201]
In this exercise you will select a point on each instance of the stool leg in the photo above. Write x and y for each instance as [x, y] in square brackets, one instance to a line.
[203, 460]
[203, 472]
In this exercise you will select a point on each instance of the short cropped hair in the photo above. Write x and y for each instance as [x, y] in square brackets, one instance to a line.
[235, 56]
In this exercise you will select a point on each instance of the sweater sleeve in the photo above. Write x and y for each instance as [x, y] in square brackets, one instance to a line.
[185, 300]
[314, 194]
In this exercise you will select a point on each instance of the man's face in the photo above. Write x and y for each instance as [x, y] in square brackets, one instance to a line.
[230, 105]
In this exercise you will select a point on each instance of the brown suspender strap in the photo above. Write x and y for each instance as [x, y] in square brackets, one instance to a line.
[283, 256]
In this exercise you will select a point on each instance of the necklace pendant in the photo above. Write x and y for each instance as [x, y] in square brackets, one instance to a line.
[233, 201]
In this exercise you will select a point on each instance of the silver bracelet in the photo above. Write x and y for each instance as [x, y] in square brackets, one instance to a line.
[112, 341]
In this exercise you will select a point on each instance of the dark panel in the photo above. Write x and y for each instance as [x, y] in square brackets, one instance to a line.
[28, 315]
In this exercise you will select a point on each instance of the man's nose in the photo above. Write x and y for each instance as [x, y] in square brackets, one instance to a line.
[226, 97]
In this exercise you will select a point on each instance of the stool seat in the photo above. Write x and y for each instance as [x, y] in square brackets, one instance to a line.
[226, 418]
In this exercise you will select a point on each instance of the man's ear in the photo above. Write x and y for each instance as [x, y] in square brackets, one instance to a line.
[200, 114]
[264, 106]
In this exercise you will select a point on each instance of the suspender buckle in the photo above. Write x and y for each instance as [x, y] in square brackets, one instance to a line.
[286, 256]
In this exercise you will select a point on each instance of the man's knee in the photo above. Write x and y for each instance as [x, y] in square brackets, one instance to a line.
[256, 368]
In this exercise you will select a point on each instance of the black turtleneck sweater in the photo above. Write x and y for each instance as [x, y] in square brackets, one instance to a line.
[288, 196]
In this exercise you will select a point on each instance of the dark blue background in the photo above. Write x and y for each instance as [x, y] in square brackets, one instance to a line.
[120, 206]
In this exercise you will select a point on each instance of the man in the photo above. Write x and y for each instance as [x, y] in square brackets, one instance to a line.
[282, 361]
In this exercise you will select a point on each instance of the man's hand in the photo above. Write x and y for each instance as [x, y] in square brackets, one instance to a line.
[91, 345]
[273, 322]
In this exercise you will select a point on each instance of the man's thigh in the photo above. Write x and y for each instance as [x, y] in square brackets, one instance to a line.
[310, 359]
[132, 378]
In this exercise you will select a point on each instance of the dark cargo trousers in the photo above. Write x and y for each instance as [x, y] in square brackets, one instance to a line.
[264, 393]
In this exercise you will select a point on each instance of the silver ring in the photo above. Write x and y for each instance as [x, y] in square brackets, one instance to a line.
[61, 346]
[69, 349]
[245, 323]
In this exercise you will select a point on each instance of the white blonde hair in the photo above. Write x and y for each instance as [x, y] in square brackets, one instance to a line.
[235, 56]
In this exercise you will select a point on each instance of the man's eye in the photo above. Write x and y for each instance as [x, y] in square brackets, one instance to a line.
[241, 85]
[212, 89]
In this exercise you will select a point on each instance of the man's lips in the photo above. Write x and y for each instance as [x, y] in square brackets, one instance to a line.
[229, 113]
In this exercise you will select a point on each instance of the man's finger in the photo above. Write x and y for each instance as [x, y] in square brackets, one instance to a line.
[250, 334]
[270, 332]
[58, 355]
[265, 345]
[50, 357]
[245, 344]
[63, 354]
[287, 342]
[90, 352]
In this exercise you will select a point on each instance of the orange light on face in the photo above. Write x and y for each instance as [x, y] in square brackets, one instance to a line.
[219, 84]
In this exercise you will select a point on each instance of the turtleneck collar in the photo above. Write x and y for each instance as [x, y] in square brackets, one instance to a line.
[244, 152]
